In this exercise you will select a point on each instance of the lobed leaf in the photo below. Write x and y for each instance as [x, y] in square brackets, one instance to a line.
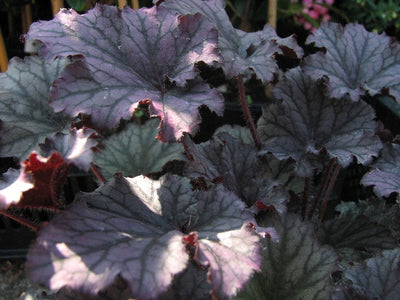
[385, 173]
[25, 113]
[353, 238]
[307, 122]
[138, 229]
[355, 61]
[136, 151]
[228, 160]
[243, 53]
[12, 185]
[128, 56]
[297, 267]
[378, 278]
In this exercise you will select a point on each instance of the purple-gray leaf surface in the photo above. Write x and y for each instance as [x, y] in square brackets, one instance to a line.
[228, 160]
[378, 277]
[385, 173]
[136, 151]
[297, 267]
[128, 56]
[307, 122]
[234, 43]
[138, 229]
[25, 113]
[76, 147]
[356, 61]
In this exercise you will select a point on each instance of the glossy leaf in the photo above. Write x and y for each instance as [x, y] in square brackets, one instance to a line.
[356, 61]
[307, 122]
[25, 113]
[139, 229]
[128, 56]
[385, 173]
[379, 277]
[297, 267]
[136, 151]
[243, 53]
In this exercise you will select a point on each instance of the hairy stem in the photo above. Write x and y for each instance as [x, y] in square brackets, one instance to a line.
[97, 173]
[246, 112]
[21, 220]
[324, 184]
[328, 192]
[306, 195]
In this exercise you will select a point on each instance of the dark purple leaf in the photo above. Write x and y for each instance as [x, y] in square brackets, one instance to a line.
[297, 267]
[379, 277]
[356, 61]
[351, 237]
[385, 174]
[307, 122]
[136, 151]
[76, 147]
[237, 166]
[25, 113]
[227, 243]
[243, 53]
[129, 56]
[137, 228]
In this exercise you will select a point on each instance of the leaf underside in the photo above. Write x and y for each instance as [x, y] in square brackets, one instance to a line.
[308, 122]
[356, 61]
[128, 56]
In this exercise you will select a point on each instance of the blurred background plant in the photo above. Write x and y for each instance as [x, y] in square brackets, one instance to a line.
[377, 16]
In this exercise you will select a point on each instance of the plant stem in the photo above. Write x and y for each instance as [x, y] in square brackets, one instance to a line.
[21, 220]
[246, 112]
[3, 54]
[97, 173]
[322, 188]
[328, 192]
[272, 12]
[306, 195]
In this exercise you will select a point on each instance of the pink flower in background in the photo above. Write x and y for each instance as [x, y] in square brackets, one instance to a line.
[315, 11]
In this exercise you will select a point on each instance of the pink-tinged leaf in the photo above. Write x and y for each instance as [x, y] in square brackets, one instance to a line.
[308, 122]
[227, 244]
[136, 151]
[385, 173]
[243, 53]
[25, 113]
[356, 61]
[76, 147]
[135, 229]
[128, 56]
[12, 184]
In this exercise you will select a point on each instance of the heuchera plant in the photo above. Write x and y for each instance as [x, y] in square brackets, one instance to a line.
[247, 214]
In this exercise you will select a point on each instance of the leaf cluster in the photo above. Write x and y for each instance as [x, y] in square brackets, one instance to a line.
[249, 213]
